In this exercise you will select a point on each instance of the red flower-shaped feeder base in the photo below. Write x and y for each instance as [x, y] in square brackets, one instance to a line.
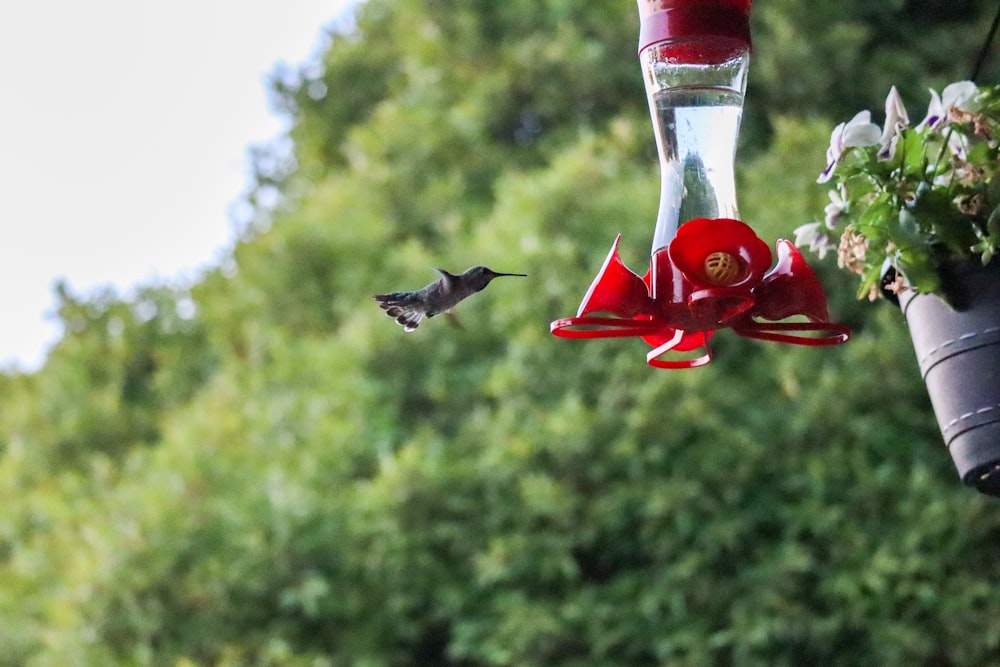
[713, 275]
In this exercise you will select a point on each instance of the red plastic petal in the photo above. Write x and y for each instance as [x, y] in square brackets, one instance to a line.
[689, 340]
[791, 288]
[744, 256]
[718, 306]
[661, 357]
[603, 327]
[689, 306]
[616, 289]
[823, 333]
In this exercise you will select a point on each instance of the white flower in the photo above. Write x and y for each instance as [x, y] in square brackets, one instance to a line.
[954, 95]
[836, 206]
[815, 235]
[896, 120]
[859, 131]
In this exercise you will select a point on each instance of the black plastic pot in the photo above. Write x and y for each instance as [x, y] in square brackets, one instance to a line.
[958, 349]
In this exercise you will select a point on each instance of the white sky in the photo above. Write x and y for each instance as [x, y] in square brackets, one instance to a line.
[124, 129]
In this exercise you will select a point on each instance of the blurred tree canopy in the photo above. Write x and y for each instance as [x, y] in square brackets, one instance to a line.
[264, 470]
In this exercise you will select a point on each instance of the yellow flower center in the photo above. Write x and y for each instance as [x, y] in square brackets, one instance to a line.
[723, 269]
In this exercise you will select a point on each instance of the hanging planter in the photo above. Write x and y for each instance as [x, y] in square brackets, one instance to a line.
[915, 212]
[708, 270]
[958, 349]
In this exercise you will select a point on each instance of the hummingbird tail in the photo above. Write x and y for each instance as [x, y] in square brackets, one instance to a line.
[399, 307]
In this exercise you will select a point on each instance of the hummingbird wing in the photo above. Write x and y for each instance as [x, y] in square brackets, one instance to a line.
[402, 306]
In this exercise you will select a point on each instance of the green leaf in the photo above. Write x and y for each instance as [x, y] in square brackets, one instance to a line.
[904, 231]
[920, 271]
[879, 215]
[916, 153]
[993, 224]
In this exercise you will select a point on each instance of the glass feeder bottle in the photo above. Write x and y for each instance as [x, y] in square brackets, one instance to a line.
[694, 56]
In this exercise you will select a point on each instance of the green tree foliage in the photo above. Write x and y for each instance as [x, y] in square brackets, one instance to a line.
[264, 470]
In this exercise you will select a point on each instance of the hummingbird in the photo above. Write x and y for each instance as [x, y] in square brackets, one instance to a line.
[410, 308]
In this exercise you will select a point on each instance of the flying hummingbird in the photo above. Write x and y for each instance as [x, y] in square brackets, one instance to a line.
[409, 308]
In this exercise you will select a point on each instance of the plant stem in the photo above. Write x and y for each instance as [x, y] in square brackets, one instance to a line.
[983, 52]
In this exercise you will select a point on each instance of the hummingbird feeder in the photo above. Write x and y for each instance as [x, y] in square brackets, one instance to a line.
[708, 269]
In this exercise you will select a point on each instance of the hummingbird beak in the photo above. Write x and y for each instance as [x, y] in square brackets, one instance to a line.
[497, 274]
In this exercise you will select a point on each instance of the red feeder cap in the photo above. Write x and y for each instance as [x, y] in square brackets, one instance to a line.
[676, 20]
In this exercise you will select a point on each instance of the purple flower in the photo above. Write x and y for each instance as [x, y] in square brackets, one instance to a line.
[836, 207]
[954, 95]
[859, 131]
[814, 236]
